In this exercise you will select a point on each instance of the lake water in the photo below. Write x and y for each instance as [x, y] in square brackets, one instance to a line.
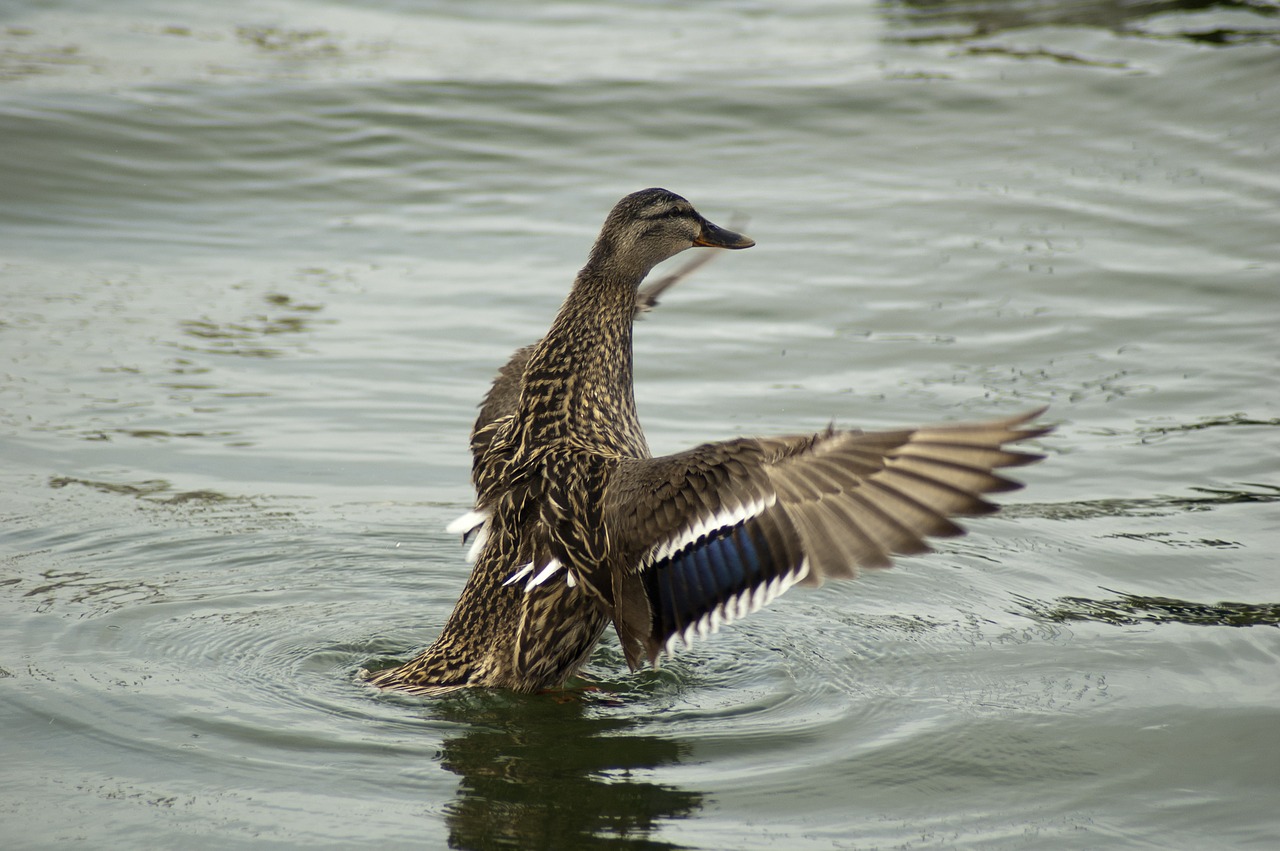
[259, 261]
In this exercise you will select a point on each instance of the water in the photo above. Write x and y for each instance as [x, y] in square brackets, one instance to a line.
[258, 264]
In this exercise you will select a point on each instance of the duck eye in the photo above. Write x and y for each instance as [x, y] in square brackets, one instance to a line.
[668, 213]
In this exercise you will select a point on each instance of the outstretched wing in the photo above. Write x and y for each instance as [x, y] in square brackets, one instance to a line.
[708, 535]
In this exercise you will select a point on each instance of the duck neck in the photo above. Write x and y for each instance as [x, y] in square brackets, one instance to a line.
[578, 384]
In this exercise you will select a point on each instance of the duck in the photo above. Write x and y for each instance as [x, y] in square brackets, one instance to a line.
[577, 526]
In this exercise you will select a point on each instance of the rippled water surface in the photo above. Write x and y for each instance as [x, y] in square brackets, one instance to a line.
[259, 261]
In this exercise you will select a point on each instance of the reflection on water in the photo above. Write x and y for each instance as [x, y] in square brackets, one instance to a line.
[1154, 506]
[152, 490]
[24, 56]
[952, 21]
[536, 770]
[1152, 434]
[241, 338]
[295, 44]
[1131, 609]
[83, 588]
[1042, 53]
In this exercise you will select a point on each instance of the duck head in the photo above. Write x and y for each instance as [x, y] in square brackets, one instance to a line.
[648, 226]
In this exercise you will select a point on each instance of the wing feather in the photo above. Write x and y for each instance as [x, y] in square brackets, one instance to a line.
[718, 531]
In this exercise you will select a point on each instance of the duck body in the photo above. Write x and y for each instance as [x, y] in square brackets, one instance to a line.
[578, 526]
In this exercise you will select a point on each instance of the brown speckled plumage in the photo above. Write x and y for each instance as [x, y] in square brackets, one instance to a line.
[581, 527]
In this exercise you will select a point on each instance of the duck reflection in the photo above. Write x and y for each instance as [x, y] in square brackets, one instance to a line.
[540, 772]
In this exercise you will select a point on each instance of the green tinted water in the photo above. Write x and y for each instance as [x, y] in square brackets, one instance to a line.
[258, 266]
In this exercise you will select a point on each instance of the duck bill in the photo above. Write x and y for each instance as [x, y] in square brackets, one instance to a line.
[714, 236]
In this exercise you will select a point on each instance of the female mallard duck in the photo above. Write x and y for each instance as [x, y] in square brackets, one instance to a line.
[577, 525]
